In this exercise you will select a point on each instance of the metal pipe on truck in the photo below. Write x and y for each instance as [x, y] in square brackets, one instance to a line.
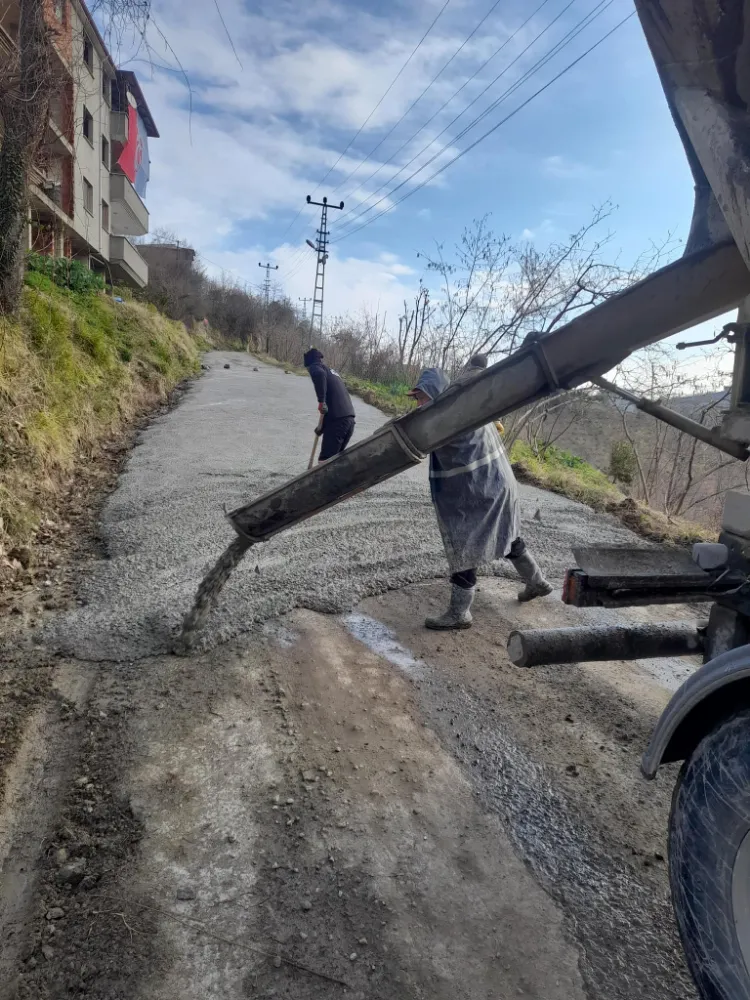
[540, 647]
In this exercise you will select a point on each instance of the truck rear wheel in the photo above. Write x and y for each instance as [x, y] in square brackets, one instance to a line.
[709, 860]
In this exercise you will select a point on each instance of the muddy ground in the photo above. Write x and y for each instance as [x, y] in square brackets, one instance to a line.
[327, 804]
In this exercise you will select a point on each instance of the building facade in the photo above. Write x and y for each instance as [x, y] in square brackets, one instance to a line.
[89, 180]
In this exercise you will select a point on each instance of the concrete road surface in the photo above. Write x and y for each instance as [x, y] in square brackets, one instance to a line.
[326, 800]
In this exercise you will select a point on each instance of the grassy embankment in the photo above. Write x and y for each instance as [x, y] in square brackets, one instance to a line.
[76, 368]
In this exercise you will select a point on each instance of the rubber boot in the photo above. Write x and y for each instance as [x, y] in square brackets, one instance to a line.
[536, 586]
[458, 614]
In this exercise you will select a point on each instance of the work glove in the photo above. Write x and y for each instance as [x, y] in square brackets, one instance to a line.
[322, 408]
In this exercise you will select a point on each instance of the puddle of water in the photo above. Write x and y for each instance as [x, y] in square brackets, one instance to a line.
[382, 641]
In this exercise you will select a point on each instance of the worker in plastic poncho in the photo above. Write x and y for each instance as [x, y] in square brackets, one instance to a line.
[476, 501]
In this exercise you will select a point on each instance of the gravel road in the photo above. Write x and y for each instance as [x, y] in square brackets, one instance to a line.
[323, 805]
[237, 434]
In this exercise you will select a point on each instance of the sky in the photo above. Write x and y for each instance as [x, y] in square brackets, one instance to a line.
[260, 104]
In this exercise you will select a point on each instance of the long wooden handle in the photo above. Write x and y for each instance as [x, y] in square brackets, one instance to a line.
[315, 444]
[312, 453]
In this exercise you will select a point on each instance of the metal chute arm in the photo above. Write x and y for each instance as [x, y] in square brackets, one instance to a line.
[672, 299]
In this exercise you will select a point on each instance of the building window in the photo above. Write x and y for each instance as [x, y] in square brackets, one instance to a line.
[88, 53]
[88, 196]
[105, 152]
[105, 217]
[88, 125]
[107, 89]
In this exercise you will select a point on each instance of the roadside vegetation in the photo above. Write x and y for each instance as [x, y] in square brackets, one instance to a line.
[559, 471]
[76, 368]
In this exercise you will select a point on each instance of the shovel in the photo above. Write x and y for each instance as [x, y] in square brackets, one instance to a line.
[315, 444]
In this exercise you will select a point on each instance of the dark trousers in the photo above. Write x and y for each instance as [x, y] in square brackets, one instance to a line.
[467, 578]
[336, 436]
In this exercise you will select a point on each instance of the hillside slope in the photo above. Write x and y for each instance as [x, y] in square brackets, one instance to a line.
[76, 368]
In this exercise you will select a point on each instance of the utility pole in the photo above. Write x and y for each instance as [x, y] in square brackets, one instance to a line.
[267, 280]
[267, 298]
[304, 307]
[321, 248]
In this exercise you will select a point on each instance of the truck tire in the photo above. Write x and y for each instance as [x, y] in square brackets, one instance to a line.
[709, 860]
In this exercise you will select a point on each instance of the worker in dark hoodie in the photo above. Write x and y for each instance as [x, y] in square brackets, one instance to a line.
[474, 493]
[334, 405]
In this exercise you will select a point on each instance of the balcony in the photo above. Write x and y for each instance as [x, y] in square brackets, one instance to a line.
[129, 214]
[119, 129]
[126, 264]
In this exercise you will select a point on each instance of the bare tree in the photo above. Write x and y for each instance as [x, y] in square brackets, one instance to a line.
[411, 329]
[25, 90]
[493, 292]
[675, 472]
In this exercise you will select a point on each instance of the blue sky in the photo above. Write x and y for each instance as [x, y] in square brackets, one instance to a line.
[232, 176]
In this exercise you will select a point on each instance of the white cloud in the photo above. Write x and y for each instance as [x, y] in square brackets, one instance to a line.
[352, 283]
[543, 231]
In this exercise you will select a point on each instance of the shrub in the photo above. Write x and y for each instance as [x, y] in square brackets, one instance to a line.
[623, 464]
[66, 273]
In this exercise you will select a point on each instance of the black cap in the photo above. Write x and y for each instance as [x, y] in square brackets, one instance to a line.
[312, 356]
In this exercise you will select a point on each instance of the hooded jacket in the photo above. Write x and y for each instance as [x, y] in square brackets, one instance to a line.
[329, 388]
[473, 490]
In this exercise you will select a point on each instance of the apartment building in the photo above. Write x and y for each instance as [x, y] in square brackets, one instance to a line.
[89, 181]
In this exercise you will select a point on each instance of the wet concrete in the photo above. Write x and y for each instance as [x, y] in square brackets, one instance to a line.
[236, 434]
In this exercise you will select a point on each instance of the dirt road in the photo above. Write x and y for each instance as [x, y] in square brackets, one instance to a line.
[319, 805]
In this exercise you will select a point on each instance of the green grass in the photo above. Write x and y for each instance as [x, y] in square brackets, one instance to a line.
[75, 368]
[391, 399]
[562, 472]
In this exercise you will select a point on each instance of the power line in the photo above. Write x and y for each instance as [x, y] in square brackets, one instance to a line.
[298, 260]
[574, 32]
[460, 115]
[295, 268]
[429, 86]
[561, 44]
[450, 100]
[494, 128]
[388, 89]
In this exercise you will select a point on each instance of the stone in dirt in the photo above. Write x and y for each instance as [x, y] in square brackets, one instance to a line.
[227, 366]
[72, 874]
[185, 893]
[48, 952]
[56, 913]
